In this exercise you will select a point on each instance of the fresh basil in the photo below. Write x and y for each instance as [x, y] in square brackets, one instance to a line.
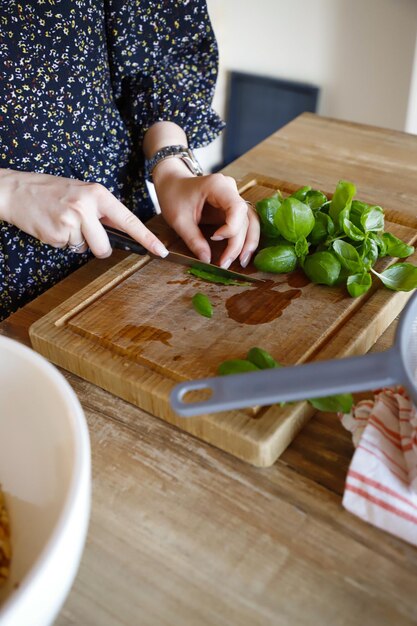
[277, 259]
[347, 255]
[399, 277]
[266, 210]
[395, 247]
[236, 366]
[214, 278]
[358, 284]
[342, 199]
[341, 403]
[202, 305]
[294, 219]
[322, 268]
[262, 359]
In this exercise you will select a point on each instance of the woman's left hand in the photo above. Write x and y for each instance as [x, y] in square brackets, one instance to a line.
[187, 201]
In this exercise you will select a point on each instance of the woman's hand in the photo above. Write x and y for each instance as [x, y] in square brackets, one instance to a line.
[64, 212]
[187, 200]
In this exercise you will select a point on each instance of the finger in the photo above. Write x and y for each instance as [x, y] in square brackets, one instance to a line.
[194, 239]
[235, 218]
[252, 238]
[234, 247]
[95, 236]
[117, 215]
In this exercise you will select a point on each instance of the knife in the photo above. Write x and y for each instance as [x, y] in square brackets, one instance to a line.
[122, 241]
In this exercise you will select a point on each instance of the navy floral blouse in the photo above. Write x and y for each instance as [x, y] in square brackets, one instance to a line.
[80, 83]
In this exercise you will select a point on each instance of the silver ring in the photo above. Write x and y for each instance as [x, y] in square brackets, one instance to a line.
[76, 247]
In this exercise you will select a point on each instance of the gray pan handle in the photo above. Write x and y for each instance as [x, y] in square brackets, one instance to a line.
[286, 384]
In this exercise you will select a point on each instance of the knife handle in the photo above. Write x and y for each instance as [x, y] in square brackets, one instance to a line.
[122, 241]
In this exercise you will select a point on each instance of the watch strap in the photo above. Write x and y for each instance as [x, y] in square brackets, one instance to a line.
[180, 152]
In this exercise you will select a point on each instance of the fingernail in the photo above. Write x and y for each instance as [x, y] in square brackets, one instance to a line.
[205, 258]
[226, 264]
[216, 238]
[160, 250]
[245, 259]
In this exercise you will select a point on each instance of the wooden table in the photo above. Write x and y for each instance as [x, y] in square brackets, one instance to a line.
[183, 534]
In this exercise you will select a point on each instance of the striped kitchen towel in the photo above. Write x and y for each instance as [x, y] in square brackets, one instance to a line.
[381, 484]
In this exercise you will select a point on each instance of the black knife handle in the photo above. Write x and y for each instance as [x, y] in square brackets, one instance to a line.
[122, 241]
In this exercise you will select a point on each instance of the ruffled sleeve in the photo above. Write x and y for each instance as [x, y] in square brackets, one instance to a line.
[163, 60]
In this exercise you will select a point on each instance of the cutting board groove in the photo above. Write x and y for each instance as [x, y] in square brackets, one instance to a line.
[134, 332]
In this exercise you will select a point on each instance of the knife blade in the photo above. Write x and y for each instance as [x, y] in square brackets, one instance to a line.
[122, 241]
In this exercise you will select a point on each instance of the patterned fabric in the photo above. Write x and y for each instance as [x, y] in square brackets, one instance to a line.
[80, 83]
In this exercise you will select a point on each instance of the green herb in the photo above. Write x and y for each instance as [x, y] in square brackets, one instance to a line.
[294, 219]
[276, 259]
[335, 241]
[266, 210]
[202, 304]
[262, 359]
[399, 277]
[236, 366]
[322, 268]
[395, 247]
[358, 284]
[214, 278]
[341, 403]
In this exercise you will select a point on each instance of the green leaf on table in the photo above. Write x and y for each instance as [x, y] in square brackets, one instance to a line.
[396, 247]
[341, 403]
[323, 227]
[399, 277]
[301, 193]
[276, 259]
[368, 252]
[358, 284]
[262, 359]
[294, 219]
[348, 256]
[342, 199]
[301, 248]
[236, 366]
[352, 231]
[372, 219]
[202, 305]
[214, 278]
[322, 268]
[266, 210]
[380, 242]
[315, 199]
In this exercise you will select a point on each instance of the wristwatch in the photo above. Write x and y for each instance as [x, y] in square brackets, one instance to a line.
[179, 152]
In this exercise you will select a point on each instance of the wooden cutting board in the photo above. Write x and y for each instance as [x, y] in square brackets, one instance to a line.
[134, 332]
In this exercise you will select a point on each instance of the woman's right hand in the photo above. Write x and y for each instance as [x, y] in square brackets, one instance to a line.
[64, 212]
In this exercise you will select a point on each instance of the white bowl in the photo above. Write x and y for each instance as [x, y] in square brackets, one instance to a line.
[45, 473]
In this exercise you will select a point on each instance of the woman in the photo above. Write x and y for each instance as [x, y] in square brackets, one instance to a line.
[93, 94]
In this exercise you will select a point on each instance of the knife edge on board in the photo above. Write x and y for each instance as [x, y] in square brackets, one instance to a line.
[122, 241]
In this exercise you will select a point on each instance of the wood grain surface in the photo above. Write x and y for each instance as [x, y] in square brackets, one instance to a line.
[183, 533]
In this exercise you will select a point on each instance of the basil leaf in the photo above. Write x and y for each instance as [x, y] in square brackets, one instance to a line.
[294, 219]
[236, 366]
[352, 231]
[341, 403]
[266, 210]
[399, 277]
[315, 199]
[202, 304]
[262, 359]
[381, 244]
[342, 199]
[358, 284]
[276, 259]
[348, 256]
[323, 227]
[301, 248]
[395, 247]
[214, 278]
[301, 193]
[372, 219]
[322, 268]
[368, 252]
